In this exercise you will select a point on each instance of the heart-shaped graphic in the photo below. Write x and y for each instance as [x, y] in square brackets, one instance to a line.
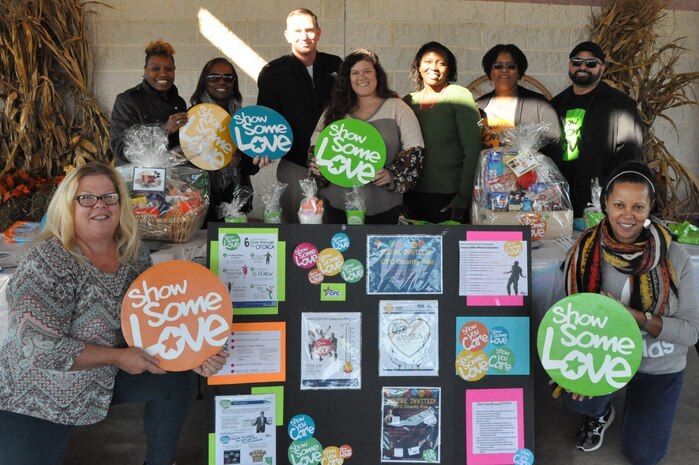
[409, 337]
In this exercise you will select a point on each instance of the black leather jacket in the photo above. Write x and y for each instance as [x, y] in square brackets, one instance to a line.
[142, 105]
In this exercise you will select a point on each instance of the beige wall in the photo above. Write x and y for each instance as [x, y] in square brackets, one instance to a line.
[392, 28]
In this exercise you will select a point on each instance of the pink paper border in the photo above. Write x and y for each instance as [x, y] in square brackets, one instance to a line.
[494, 235]
[494, 300]
[493, 395]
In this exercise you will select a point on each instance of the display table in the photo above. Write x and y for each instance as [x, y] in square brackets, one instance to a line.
[547, 279]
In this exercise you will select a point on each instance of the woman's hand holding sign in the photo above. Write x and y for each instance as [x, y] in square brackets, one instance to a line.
[383, 178]
[175, 121]
[262, 161]
[212, 365]
[313, 165]
[652, 327]
[134, 361]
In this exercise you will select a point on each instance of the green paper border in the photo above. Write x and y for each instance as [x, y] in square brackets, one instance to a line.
[278, 392]
[281, 268]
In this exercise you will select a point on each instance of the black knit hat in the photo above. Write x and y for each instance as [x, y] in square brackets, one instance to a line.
[588, 46]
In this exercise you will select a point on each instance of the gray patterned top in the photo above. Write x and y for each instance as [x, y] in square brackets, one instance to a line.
[56, 304]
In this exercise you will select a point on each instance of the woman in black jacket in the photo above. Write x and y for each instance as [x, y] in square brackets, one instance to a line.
[154, 101]
[218, 84]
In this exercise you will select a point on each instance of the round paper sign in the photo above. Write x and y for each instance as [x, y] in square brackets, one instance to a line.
[260, 131]
[178, 311]
[308, 452]
[589, 344]
[205, 139]
[350, 152]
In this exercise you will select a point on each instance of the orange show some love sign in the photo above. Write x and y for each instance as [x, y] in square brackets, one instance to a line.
[179, 312]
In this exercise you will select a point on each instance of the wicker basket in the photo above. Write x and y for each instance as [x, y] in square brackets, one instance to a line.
[172, 229]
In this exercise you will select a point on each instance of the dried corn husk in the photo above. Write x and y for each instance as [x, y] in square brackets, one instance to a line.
[49, 118]
[638, 65]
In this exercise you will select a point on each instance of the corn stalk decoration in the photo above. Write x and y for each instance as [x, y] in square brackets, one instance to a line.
[636, 64]
[49, 118]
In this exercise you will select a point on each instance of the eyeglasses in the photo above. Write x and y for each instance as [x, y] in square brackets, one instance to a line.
[589, 62]
[217, 77]
[89, 200]
[510, 66]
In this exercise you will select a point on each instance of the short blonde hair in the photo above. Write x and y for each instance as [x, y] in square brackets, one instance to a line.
[60, 218]
[304, 12]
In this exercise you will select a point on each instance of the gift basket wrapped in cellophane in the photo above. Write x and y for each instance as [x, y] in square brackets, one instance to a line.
[516, 184]
[169, 197]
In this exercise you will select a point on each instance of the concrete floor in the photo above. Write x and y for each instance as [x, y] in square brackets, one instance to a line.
[119, 439]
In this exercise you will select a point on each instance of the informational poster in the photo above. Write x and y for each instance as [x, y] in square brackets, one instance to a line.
[411, 424]
[590, 344]
[177, 311]
[250, 262]
[261, 132]
[350, 152]
[492, 346]
[331, 356]
[494, 425]
[245, 430]
[408, 338]
[492, 268]
[256, 354]
[404, 264]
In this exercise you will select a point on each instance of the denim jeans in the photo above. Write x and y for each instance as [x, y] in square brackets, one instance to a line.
[26, 440]
[167, 398]
[649, 411]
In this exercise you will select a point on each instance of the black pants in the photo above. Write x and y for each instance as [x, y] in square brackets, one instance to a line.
[427, 206]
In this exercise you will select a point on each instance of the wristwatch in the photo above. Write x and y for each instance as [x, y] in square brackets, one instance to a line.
[649, 316]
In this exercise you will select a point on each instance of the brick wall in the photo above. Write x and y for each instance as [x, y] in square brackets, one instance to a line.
[393, 28]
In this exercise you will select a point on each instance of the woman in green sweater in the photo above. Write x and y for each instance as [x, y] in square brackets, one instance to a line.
[448, 117]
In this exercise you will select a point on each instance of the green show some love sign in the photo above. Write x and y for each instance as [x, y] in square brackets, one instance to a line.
[350, 152]
[589, 344]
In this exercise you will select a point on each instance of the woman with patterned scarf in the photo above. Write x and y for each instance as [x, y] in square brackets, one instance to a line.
[631, 257]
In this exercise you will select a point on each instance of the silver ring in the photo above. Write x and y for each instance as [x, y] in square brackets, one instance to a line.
[179, 121]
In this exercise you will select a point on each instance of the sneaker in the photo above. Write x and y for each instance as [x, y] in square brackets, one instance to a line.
[591, 433]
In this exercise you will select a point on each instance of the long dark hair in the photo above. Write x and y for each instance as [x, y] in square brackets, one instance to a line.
[343, 99]
[201, 84]
[436, 47]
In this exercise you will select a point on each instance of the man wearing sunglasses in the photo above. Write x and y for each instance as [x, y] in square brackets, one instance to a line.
[602, 126]
[298, 86]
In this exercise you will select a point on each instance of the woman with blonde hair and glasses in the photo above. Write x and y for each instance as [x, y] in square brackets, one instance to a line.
[65, 361]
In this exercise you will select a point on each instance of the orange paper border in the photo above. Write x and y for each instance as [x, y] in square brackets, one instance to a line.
[259, 377]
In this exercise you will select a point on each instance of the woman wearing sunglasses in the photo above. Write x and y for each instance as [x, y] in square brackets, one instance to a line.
[218, 84]
[154, 101]
[511, 104]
